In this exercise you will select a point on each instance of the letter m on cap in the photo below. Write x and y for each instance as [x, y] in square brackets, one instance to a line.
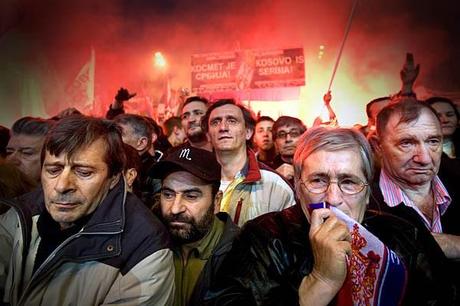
[184, 153]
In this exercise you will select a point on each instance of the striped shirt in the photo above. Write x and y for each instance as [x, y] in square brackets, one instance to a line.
[394, 195]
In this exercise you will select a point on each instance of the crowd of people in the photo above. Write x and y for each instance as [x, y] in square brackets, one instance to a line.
[220, 207]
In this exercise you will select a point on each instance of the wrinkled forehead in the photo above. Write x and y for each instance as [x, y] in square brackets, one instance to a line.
[426, 118]
[95, 152]
[227, 111]
[343, 162]
[182, 179]
[25, 140]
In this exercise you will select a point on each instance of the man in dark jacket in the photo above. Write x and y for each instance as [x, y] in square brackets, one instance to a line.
[192, 112]
[189, 200]
[137, 132]
[286, 133]
[409, 142]
[82, 239]
[332, 255]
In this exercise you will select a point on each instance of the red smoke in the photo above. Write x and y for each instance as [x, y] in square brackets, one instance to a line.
[54, 39]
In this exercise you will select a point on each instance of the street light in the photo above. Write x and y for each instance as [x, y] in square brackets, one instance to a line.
[159, 61]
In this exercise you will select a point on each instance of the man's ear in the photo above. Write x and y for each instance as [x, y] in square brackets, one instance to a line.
[175, 130]
[130, 175]
[375, 142]
[114, 180]
[154, 137]
[249, 133]
[142, 143]
[217, 201]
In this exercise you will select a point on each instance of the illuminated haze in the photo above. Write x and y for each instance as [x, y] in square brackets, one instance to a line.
[47, 42]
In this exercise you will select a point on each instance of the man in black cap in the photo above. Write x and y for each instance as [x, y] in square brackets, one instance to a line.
[189, 201]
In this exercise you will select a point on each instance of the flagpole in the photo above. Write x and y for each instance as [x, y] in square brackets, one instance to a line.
[327, 96]
[92, 74]
[339, 55]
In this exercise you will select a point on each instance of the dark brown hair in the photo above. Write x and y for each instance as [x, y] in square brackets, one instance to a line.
[170, 123]
[195, 99]
[287, 120]
[372, 102]
[408, 110]
[77, 131]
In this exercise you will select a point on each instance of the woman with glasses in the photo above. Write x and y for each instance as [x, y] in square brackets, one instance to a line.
[329, 249]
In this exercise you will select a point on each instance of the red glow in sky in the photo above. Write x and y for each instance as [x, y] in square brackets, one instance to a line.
[44, 44]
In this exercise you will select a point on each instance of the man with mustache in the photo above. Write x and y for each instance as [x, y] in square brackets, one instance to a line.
[189, 199]
[82, 239]
[327, 249]
[192, 112]
[286, 133]
[408, 140]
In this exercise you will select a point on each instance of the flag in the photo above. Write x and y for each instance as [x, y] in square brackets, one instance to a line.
[81, 91]
[376, 275]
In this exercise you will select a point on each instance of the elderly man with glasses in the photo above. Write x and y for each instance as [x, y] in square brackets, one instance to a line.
[329, 249]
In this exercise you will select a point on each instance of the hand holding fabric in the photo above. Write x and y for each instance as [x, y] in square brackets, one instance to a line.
[331, 244]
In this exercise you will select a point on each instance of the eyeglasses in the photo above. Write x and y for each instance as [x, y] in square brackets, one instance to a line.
[292, 133]
[349, 185]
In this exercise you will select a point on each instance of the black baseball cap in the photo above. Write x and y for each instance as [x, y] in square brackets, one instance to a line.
[199, 162]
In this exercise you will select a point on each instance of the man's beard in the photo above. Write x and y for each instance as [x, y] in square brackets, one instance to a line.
[198, 136]
[192, 230]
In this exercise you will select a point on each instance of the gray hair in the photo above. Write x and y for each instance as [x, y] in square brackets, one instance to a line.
[32, 126]
[141, 127]
[332, 139]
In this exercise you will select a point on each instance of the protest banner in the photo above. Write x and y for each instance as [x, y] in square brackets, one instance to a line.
[248, 69]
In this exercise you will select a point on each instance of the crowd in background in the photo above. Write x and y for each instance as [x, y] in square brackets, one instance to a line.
[230, 198]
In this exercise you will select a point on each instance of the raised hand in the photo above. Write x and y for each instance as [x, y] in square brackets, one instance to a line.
[327, 98]
[123, 95]
[409, 71]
